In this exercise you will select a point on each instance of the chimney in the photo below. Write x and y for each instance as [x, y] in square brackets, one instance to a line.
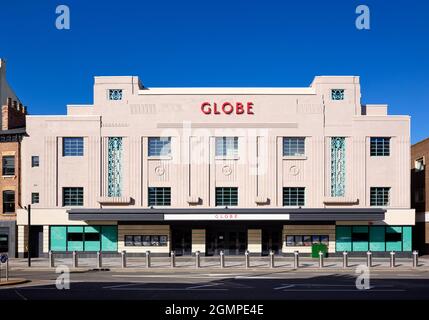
[12, 115]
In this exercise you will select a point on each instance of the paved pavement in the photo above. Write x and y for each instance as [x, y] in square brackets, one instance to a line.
[213, 283]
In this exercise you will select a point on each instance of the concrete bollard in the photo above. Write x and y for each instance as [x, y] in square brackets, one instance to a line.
[51, 259]
[345, 259]
[6, 275]
[99, 260]
[222, 259]
[271, 259]
[123, 259]
[296, 260]
[172, 259]
[320, 259]
[247, 259]
[147, 259]
[75, 259]
[369, 259]
[197, 259]
[392, 259]
[415, 259]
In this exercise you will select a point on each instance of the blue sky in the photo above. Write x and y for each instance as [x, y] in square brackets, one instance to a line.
[218, 43]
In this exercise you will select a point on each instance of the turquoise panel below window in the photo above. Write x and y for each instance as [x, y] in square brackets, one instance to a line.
[77, 229]
[343, 239]
[109, 238]
[58, 239]
[360, 246]
[75, 245]
[92, 229]
[376, 239]
[407, 238]
[394, 246]
[92, 245]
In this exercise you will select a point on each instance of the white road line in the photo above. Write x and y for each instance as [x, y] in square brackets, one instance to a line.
[124, 285]
[285, 287]
[170, 289]
[205, 285]
[343, 290]
[20, 295]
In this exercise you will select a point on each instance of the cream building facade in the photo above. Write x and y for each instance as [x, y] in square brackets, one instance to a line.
[212, 169]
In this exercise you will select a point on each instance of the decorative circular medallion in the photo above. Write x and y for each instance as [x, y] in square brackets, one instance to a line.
[226, 170]
[159, 170]
[294, 170]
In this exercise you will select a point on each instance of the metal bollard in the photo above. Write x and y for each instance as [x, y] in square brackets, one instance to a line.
[247, 260]
[99, 260]
[296, 260]
[271, 259]
[51, 259]
[7, 270]
[415, 259]
[197, 259]
[147, 259]
[222, 259]
[75, 259]
[172, 259]
[123, 259]
[369, 259]
[392, 259]
[345, 259]
[320, 259]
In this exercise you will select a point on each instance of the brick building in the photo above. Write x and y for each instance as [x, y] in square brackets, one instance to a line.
[419, 194]
[12, 130]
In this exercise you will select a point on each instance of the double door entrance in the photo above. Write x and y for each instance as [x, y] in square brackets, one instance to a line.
[231, 241]
[271, 240]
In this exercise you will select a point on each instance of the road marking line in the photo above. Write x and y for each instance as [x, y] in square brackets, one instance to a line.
[205, 285]
[285, 287]
[343, 290]
[20, 295]
[170, 289]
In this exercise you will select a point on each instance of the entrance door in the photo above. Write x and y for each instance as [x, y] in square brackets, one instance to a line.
[271, 240]
[232, 242]
[181, 241]
[4, 242]
[36, 241]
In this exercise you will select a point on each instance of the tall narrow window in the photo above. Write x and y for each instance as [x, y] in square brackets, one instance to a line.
[8, 201]
[8, 166]
[159, 146]
[226, 146]
[338, 166]
[114, 185]
[34, 161]
[73, 146]
[34, 197]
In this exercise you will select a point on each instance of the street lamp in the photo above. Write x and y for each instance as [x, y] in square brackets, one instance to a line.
[29, 234]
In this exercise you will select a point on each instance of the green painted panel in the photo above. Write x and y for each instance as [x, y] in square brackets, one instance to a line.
[360, 246]
[393, 229]
[109, 238]
[92, 229]
[407, 238]
[343, 238]
[58, 239]
[75, 245]
[394, 246]
[376, 239]
[92, 245]
[360, 229]
[75, 229]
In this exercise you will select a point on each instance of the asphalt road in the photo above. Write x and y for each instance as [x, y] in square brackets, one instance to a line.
[184, 285]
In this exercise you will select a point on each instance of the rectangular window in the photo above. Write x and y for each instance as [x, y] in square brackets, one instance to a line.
[115, 94]
[337, 94]
[8, 165]
[226, 146]
[72, 196]
[419, 165]
[159, 196]
[293, 196]
[379, 196]
[145, 241]
[159, 146]
[34, 197]
[75, 236]
[73, 147]
[293, 146]
[35, 161]
[8, 201]
[306, 240]
[380, 147]
[226, 196]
